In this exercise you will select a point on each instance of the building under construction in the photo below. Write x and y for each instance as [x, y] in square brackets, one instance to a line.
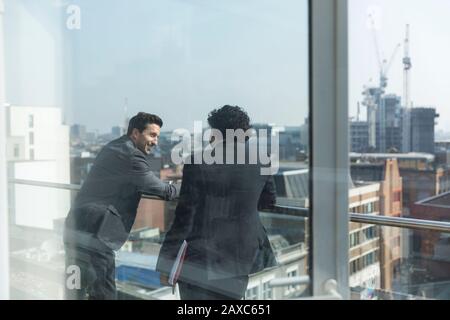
[393, 124]
[384, 130]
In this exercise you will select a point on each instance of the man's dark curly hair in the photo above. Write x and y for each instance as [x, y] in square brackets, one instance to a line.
[141, 120]
[229, 117]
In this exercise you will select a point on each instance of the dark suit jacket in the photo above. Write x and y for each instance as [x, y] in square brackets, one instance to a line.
[217, 215]
[106, 206]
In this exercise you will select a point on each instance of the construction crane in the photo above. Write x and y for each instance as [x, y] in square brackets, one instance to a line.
[387, 66]
[359, 112]
[407, 65]
[384, 65]
[372, 94]
[406, 117]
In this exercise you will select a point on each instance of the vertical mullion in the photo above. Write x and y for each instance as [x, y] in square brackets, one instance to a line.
[329, 144]
[342, 152]
[4, 248]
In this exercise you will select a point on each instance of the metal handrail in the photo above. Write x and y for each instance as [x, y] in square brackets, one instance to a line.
[290, 211]
[63, 186]
[291, 281]
[399, 222]
[408, 223]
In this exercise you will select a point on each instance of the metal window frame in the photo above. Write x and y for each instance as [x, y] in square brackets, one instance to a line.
[330, 146]
[4, 234]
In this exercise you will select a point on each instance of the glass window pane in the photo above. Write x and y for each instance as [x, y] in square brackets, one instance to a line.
[399, 143]
[76, 74]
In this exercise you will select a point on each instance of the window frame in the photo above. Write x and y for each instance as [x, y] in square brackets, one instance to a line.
[329, 127]
[4, 234]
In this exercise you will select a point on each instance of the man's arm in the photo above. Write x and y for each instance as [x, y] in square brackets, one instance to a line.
[148, 183]
[268, 197]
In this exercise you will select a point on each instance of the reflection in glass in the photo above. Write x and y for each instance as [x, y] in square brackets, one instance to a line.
[76, 73]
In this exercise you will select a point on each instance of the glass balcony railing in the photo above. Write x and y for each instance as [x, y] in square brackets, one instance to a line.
[389, 257]
[411, 264]
[136, 277]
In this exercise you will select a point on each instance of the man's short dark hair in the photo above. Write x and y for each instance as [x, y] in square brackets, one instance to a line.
[141, 120]
[229, 117]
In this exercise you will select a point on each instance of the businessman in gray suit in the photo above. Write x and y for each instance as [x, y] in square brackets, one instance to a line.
[104, 210]
[217, 215]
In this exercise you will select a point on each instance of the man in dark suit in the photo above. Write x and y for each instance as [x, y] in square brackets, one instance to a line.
[104, 210]
[217, 215]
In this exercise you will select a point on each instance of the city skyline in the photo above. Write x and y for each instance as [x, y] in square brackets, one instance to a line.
[429, 27]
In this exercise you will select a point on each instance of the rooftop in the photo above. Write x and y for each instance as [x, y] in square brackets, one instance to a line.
[404, 156]
[367, 172]
[137, 260]
[442, 200]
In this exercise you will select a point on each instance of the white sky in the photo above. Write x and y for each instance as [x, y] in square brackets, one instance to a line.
[176, 58]
[180, 59]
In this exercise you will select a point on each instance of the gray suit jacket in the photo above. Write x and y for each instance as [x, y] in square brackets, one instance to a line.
[106, 206]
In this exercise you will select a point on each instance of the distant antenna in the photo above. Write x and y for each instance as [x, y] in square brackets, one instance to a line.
[407, 65]
[359, 112]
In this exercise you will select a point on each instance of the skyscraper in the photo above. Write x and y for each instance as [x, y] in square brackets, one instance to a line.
[422, 129]
[359, 136]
